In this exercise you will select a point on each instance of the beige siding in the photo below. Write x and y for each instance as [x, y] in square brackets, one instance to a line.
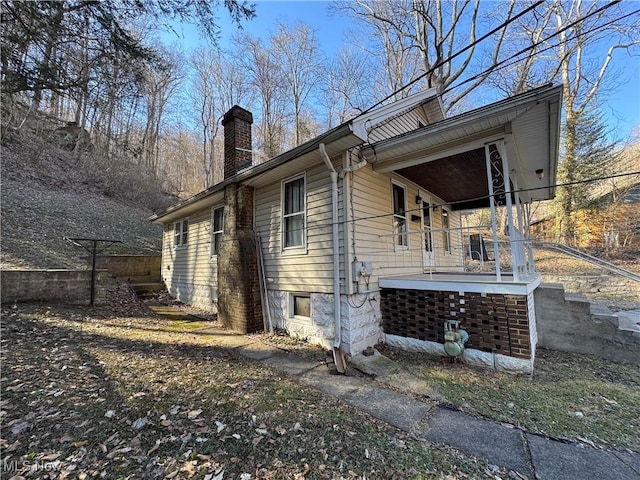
[372, 200]
[395, 126]
[190, 272]
[301, 271]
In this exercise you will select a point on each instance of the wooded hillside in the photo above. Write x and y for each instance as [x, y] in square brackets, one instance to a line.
[141, 116]
[49, 193]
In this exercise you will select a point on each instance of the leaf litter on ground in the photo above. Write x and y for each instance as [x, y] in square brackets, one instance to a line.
[110, 394]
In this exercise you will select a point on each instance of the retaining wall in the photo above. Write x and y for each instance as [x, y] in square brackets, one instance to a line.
[67, 286]
[605, 286]
[131, 268]
[567, 324]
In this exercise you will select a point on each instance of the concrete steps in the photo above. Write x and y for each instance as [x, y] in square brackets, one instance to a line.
[571, 323]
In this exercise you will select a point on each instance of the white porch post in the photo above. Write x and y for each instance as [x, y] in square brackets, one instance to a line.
[514, 241]
[492, 204]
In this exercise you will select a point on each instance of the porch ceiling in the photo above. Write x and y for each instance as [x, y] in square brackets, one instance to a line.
[448, 158]
[459, 179]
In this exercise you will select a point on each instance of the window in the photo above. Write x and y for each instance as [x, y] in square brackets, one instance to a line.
[217, 227]
[180, 232]
[300, 305]
[446, 234]
[293, 213]
[399, 216]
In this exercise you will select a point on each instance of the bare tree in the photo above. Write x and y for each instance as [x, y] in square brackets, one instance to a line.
[159, 86]
[266, 76]
[218, 84]
[346, 89]
[588, 36]
[297, 52]
[431, 32]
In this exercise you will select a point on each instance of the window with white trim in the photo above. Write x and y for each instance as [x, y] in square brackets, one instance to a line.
[399, 194]
[446, 234]
[293, 213]
[217, 227]
[180, 232]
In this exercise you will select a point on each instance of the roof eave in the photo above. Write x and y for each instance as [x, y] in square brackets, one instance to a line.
[328, 137]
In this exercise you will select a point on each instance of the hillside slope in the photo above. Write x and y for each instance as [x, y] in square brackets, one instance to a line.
[48, 193]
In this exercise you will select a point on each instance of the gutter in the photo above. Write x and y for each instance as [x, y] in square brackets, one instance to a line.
[338, 354]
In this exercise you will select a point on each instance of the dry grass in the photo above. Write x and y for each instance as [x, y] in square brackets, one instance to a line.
[92, 393]
[570, 396]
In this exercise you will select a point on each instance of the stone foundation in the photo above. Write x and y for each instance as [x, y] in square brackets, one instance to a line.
[360, 319]
[470, 356]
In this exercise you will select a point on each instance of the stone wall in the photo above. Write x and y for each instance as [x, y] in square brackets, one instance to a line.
[567, 324]
[131, 268]
[604, 287]
[360, 319]
[66, 286]
[318, 330]
[361, 322]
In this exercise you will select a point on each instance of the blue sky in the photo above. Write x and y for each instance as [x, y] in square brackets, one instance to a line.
[621, 107]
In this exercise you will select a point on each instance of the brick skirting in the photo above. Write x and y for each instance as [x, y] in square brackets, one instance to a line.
[496, 323]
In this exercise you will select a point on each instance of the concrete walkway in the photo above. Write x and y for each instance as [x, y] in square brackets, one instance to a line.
[530, 455]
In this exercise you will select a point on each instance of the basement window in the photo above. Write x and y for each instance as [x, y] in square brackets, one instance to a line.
[300, 305]
[217, 227]
[180, 232]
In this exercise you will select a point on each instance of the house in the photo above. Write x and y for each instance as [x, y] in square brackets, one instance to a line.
[357, 235]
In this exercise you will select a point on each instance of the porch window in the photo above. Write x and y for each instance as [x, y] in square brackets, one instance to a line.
[293, 212]
[180, 232]
[217, 227]
[399, 216]
[446, 234]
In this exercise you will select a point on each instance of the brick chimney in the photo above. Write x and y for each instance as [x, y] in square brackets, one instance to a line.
[237, 140]
[239, 299]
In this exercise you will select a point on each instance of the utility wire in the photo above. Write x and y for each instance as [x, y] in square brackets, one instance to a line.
[500, 65]
[458, 53]
[526, 49]
[484, 197]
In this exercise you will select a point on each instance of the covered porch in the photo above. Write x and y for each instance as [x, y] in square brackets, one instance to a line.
[501, 157]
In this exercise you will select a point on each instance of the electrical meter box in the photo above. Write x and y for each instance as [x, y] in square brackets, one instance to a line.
[361, 269]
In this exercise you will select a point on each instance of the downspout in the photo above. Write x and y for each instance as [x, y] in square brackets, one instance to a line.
[338, 355]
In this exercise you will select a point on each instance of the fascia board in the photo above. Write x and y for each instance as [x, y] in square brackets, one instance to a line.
[379, 115]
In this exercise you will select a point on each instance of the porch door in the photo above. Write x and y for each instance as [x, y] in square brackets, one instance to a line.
[428, 260]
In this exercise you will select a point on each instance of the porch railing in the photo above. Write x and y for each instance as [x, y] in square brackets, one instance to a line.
[459, 249]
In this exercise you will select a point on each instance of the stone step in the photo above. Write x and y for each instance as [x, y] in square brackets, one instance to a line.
[148, 278]
[629, 321]
[146, 287]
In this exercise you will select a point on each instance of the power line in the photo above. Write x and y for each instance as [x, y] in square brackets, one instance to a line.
[526, 49]
[484, 197]
[459, 52]
[500, 66]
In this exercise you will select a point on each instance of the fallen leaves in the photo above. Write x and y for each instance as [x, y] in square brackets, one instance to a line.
[136, 401]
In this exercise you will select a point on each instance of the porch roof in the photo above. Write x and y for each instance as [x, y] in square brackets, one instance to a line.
[447, 158]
